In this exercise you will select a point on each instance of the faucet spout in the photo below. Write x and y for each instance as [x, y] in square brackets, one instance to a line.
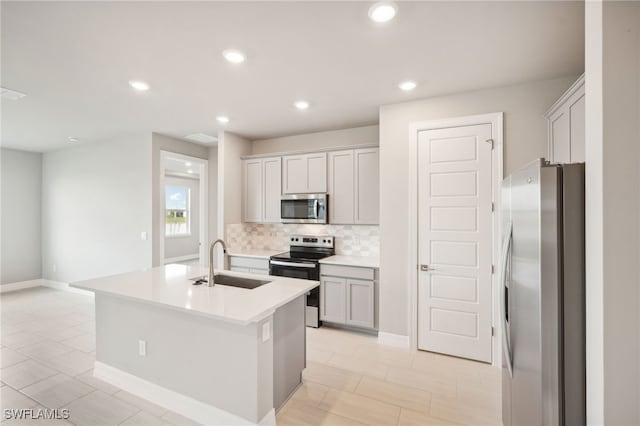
[226, 257]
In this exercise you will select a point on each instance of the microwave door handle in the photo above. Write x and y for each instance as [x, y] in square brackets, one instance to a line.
[316, 208]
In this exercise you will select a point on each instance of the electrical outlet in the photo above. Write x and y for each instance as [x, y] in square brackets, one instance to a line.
[266, 331]
[142, 347]
[143, 235]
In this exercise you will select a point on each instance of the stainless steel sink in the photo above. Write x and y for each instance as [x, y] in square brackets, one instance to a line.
[231, 281]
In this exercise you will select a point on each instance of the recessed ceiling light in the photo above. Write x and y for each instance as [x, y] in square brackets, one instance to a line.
[234, 56]
[188, 164]
[72, 139]
[140, 86]
[383, 11]
[407, 85]
[222, 119]
[301, 105]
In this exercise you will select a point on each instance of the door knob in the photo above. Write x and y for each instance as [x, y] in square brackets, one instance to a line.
[424, 268]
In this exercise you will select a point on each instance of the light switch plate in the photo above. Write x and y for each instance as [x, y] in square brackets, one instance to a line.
[142, 348]
[266, 331]
[143, 235]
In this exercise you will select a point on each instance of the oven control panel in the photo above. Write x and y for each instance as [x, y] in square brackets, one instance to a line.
[325, 241]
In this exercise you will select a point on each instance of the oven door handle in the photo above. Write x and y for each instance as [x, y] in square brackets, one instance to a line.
[293, 264]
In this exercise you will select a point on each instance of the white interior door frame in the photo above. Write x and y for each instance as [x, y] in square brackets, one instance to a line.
[496, 121]
[202, 166]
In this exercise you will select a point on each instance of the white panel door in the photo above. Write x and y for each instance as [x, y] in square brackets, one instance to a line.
[341, 187]
[252, 190]
[455, 241]
[367, 163]
[272, 180]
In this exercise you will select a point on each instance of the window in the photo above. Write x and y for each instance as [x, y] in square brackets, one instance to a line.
[177, 216]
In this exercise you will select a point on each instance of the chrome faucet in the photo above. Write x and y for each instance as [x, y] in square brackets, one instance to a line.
[226, 256]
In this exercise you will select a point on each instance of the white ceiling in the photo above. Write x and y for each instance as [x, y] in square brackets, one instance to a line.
[74, 60]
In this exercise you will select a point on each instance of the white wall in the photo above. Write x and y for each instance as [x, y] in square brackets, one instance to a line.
[612, 67]
[366, 135]
[525, 139]
[185, 245]
[213, 195]
[166, 143]
[21, 177]
[96, 201]
[230, 148]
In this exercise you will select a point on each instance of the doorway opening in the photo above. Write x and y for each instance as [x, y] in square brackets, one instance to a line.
[183, 209]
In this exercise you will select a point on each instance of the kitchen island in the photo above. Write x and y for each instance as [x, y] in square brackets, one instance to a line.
[219, 355]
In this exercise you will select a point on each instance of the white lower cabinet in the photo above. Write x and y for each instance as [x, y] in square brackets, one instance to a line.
[349, 298]
[360, 312]
[333, 299]
[249, 265]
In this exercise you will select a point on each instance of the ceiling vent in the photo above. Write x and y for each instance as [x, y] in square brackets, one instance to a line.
[11, 94]
[202, 138]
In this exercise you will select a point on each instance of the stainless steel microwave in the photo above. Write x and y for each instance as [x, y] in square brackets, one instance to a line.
[304, 208]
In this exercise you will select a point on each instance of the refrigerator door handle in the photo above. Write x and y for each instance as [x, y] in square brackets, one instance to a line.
[506, 246]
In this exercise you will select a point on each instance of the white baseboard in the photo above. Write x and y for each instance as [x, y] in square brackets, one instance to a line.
[41, 282]
[57, 285]
[391, 339]
[181, 258]
[4, 288]
[191, 408]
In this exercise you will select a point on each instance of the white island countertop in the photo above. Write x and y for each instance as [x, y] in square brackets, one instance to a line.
[357, 261]
[169, 286]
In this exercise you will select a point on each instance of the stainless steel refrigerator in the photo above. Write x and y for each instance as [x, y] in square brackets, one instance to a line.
[543, 296]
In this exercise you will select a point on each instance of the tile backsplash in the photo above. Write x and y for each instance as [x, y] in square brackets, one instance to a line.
[352, 240]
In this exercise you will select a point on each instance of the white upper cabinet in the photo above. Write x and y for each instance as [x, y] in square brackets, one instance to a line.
[367, 196]
[262, 184]
[354, 186]
[306, 173]
[252, 173]
[341, 187]
[567, 126]
[272, 176]
[349, 176]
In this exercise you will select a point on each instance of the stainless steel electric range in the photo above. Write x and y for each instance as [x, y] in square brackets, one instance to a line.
[302, 261]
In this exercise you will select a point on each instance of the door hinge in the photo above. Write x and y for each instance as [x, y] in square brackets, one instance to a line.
[493, 331]
[493, 269]
[490, 141]
[493, 207]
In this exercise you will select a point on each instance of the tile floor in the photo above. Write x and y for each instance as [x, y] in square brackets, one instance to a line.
[48, 349]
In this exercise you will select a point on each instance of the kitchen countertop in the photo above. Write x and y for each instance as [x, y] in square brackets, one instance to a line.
[256, 253]
[169, 286]
[358, 261]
